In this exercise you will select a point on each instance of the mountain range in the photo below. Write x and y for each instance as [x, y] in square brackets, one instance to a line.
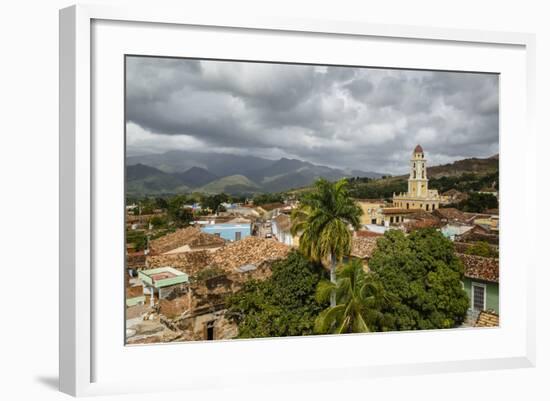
[180, 171]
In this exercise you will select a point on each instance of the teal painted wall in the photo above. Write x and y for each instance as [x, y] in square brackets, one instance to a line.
[491, 293]
[135, 301]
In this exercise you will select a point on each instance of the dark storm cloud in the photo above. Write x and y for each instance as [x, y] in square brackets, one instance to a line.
[368, 119]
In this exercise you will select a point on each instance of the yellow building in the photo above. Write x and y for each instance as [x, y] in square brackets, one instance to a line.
[418, 195]
[372, 210]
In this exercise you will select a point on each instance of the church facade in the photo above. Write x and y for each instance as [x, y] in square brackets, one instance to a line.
[418, 195]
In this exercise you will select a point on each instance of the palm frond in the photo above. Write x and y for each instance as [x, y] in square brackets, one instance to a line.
[324, 289]
[329, 319]
[353, 300]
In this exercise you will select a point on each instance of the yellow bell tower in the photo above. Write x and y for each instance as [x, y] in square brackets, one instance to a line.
[418, 196]
[418, 179]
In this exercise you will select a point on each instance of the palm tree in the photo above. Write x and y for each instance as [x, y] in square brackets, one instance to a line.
[353, 296]
[324, 218]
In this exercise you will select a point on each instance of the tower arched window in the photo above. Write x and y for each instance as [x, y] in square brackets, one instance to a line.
[414, 174]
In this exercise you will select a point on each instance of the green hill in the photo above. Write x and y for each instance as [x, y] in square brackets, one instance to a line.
[460, 167]
[230, 184]
[141, 180]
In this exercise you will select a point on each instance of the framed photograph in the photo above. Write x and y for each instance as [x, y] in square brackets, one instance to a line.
[281, 199]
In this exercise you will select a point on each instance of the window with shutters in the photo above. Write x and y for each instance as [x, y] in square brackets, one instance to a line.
[478, 295]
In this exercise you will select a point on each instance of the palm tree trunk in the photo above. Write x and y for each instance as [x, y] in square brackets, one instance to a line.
[333, 280]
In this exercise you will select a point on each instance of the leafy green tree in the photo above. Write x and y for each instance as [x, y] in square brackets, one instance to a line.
[349, 315]
[282, 305]
[146, 207]
[466, 182]
[158, 221]
[138, 238]
[377, 188]
[478, 202]
[213, 202]
[262, 199]
[177, 212]
[181, 217]
[482, 248]
[237, 198]
[161, 203]
[322, 220]
[176, 202]
[421, 276]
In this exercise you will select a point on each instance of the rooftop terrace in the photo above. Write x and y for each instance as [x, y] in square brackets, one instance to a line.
[163, 277]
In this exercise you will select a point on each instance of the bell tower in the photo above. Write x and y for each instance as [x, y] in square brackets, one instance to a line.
[418, 196]
[418, 178]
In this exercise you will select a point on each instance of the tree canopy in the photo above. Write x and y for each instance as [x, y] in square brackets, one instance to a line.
[322, 220]
[213, 202]
[282, 305]
[482, 248]
[478, 203]
[421, 276]
[352, 293]
[466, 182]
[137, 238]
[262, 199]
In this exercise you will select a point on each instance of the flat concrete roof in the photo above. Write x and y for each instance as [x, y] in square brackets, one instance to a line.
[163, 277]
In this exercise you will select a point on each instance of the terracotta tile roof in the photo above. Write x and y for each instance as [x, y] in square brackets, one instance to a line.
[191, 236]
[249, 251]
[417, 224]
[367, 233]
[370, 200]
[395, 210]
[135, 291]
[479, 233]
[135, 259]
[420, 214]
[188, 262]
[479, 228]
[487, 319]
[492, 212]
[137, 311]
[478, 267]
[283, 222]
[471, 217]
[272, 206]
[451, 214]
[363, 247]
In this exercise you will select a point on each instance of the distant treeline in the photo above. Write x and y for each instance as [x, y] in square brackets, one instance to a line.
[466, 182]
[376, 188]
[361, 187]
[476, 203]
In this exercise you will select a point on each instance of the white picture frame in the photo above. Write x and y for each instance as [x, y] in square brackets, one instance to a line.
[85, 164]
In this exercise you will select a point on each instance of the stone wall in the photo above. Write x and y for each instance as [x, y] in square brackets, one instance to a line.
[203, 302]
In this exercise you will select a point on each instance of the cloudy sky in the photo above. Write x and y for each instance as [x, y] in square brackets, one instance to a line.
[360, 118]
